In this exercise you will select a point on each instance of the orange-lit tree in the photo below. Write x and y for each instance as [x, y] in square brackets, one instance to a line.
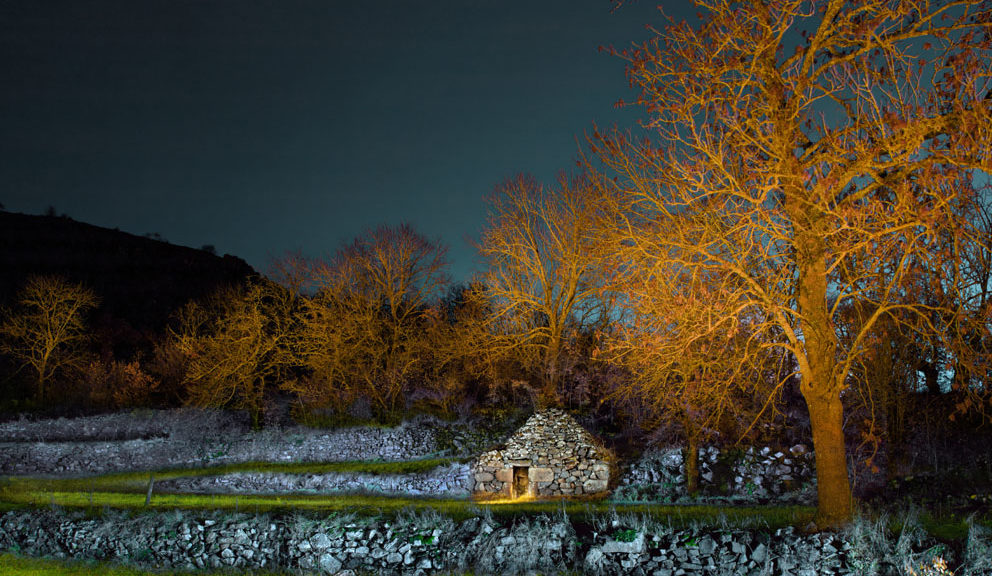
[543, 275]
[944, 340]
[695, 364]
[238, 346]
[362, 331]
[47, 331]
[966, 283]
[797, 146]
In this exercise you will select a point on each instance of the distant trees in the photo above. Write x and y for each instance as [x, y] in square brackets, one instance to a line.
[806, 154]
[544, 272]
[47, 331]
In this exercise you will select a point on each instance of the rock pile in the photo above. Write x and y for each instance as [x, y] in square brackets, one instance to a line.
[551, 455]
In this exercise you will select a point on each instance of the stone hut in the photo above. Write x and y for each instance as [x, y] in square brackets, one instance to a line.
[551, 455]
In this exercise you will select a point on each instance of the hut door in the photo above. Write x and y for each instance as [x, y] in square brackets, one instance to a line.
[521, 481]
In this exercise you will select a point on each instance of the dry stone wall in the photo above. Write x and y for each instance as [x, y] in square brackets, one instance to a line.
[186, 438]
[551, 455]
[429, 543]
[451, 481]
[753, 474]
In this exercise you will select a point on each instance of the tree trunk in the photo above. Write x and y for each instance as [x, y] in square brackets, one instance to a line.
[895, 425]
[256, 406]
[548, 396]
[826, 416]
[930, 374]
[820, 385]
[690, 455]
[256, 418]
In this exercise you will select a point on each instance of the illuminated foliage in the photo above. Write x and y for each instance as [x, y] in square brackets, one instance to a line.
[47, 331]
[362, 332]
[805, 154]
[543, 277]
[694, 365]
[238, 346]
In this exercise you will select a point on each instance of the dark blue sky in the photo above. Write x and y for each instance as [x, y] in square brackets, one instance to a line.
[262, 127]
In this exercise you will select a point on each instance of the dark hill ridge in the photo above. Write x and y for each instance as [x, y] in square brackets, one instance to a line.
[139, 280]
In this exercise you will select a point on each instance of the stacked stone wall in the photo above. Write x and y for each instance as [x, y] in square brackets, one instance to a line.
[451, 481]
[184, 438]
[754, 474]
[430, 543]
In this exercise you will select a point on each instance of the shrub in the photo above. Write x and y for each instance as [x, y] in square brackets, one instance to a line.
[118, 384]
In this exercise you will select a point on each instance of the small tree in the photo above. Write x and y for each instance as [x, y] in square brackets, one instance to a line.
[695, 367]
[47, 331]
[238, 346]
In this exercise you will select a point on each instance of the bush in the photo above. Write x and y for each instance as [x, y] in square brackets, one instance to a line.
[118, 385]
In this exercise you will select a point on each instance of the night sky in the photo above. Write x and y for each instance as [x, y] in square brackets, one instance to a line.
[263, 127]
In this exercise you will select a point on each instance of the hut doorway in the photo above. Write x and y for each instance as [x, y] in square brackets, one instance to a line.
[521, 481]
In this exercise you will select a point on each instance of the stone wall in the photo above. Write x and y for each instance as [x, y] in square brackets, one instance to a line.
[182, 438]
[754, 474]
[428, 543]
[551, 455]
[451, 481]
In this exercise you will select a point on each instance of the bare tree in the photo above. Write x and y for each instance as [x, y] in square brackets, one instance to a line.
[361, 331]
[47, 330]
[694, 366]
[800, 147]
[238, 346]
[543, 276]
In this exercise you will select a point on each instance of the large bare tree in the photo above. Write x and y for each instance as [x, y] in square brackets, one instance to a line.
[543, 275]
[812, 150]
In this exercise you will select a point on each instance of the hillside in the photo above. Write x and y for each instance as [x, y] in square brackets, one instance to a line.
[140, 281]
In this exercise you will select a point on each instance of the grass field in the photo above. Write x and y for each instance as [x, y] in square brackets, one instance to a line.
[129, 491]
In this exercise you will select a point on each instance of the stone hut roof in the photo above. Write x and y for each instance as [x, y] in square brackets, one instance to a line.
[551, 432]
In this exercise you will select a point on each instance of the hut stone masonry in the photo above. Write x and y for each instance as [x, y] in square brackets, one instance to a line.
[551, 455]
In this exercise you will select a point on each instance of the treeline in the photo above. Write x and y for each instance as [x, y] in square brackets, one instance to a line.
[373, 332]
[376, 332]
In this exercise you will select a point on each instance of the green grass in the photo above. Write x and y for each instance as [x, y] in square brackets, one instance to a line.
[128, 491]
[138, 481]
[374, 505]
[13, 565]
[947, 527]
